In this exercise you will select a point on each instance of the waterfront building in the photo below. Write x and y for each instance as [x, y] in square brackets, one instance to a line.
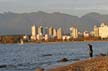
[96, 31]
[74, 32]
[85, 34]
[59, 33]
[33, 29]
[46, 37]
[25, 37]
[65, 37]
[54, 32]
[103, 30]
[45, 31]
[50, 31]
[39, 37]
[40, 30]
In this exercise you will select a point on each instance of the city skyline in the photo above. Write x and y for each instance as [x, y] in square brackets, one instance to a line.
[73, 7]
[97, 32]
[14, 23]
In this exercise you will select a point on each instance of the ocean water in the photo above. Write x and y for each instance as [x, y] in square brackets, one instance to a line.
[28, 57]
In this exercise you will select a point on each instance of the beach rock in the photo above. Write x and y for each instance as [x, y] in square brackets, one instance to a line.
[3, 66]
[63, 60]
[39, 69]
[101, 54]
[47, 55]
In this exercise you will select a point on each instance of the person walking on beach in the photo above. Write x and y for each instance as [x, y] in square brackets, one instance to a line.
[90, 50]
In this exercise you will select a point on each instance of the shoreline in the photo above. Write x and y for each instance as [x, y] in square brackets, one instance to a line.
[58, 42]
[99, 63]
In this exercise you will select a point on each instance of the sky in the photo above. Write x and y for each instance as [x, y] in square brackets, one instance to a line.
[73, 7]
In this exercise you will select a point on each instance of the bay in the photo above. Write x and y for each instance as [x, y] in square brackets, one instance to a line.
[28, 57]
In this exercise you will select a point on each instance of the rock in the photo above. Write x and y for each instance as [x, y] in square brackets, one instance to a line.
[101, 54]
[63, 60]
[47, 55]
[3, 66]
[39, 69]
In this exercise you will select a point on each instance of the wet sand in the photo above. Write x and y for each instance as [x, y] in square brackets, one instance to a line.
[99, 63]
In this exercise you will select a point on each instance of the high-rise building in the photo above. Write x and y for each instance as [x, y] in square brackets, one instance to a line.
[40, 30]
[96, 31]
[54, 32]
[74, 32]
[50, 31]
[59, 33]
[33, 29]
[45, 30]
[103, 31]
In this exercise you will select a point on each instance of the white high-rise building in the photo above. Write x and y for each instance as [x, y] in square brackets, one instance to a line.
[40, 30]
[50, 31]
[54, 32]
[74, 32]
[59, 33]
[33, 29]
[103, 31]
[96, 31]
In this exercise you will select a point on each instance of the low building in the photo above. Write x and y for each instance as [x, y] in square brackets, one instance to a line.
[86, 34]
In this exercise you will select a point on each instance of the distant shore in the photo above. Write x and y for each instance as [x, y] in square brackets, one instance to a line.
[68, 41]
[57, 42]
[16, 39]
[99, 63]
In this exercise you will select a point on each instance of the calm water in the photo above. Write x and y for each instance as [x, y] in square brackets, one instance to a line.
[27, 57]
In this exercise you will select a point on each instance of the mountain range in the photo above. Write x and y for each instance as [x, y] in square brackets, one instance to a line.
[20, 23]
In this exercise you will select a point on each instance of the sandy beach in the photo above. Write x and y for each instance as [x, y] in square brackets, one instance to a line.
[99, 63]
